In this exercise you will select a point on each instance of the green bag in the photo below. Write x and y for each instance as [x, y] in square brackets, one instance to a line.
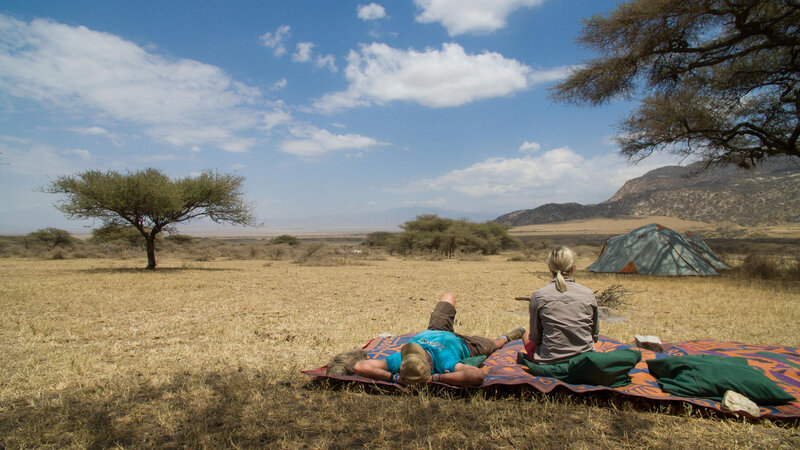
[598, 369]
[709, 376]
[474, 361]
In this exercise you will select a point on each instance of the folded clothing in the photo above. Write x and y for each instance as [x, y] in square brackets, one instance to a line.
[709, 376]
[600, 369]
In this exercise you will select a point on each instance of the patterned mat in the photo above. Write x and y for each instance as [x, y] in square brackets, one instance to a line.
[780, 364]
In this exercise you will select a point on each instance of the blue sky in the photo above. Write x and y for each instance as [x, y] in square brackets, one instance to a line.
[324, 106]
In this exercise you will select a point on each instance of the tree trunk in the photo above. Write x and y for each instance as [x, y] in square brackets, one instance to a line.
[150, 241]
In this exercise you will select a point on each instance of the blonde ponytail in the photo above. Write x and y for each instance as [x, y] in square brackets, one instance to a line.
[561, 261]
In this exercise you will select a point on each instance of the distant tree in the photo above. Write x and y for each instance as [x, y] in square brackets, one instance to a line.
[719, 78]
[430, 233]
[285, 239]
[428, 223]
[150, 201]
[50, 238]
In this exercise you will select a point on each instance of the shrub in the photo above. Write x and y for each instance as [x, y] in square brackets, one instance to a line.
[323, 254]
[380, 239]
[179, 238]
[759, 266]
[278, 252]
[203, 256]
[518, 257]
[315, 253]
[793, 270]
[537, 244]
[766, 268]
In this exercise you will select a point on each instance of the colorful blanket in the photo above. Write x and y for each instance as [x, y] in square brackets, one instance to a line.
[780, 364]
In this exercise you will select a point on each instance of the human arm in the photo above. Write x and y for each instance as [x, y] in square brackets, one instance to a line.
[377, 369]
[462, 375]
[535, 325]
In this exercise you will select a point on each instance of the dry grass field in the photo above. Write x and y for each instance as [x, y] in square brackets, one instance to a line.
[101, 353]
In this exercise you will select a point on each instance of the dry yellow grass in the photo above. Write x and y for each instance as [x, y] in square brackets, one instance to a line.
[100, 353]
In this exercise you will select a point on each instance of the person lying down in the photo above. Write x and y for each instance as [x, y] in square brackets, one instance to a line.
[435, 354]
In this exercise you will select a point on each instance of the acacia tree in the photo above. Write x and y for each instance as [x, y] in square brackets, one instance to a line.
[435, 234]
[50, 238]
[150, 201]
[716, 78]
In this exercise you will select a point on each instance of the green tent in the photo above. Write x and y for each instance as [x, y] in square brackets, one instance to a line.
[655, 250]
[705, 251]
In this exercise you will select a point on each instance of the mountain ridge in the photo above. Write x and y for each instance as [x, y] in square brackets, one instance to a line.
[766, 195]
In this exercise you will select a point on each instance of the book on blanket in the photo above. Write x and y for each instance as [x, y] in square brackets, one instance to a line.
[649, 342]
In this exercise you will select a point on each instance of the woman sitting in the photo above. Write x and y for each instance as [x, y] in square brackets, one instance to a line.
[564, 320]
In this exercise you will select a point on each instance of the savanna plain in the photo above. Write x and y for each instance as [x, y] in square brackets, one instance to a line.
[207, 352]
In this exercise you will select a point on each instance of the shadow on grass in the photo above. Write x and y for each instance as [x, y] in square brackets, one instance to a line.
[250, 408]
[237, 408]
[158, 270]
[561, 395]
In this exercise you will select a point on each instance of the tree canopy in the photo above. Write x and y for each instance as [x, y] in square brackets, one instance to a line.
[434, 234]
[150, 201]
[50, 238]
[716, 79]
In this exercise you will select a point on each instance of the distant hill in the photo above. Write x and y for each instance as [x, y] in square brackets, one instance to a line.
[768, 195]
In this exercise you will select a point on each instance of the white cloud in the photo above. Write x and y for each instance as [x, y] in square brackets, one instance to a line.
[238, 145]
[558, 175]
[14, 139]
[371, 12]
[530, 147]
[310, 141]
[326, 62]
[434, 202]
[91, 130]
[303, 53]
[497, 176]
[276, 118]
[280, 84]
[275, 40]
[176, 100]
[470, 16]
[380, 74]
[161, 157]
[99, 131]
[35, 159]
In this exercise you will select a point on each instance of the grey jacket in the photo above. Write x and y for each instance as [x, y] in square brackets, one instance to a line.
[563, 324]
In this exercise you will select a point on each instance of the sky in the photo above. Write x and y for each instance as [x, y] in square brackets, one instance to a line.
[325, 107]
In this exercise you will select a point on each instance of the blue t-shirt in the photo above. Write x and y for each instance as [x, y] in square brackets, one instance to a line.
[446, 351]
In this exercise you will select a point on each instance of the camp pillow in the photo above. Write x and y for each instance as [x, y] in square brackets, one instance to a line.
[599, 369]
[709, 376]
